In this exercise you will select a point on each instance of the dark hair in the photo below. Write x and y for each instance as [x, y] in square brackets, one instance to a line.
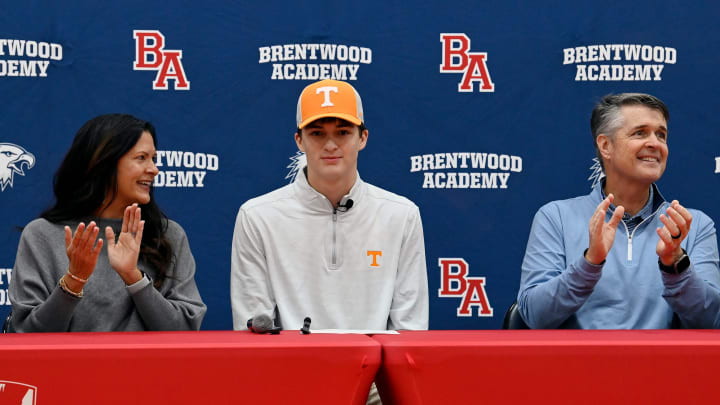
[361, 127]
[606, 118]
[88, 176]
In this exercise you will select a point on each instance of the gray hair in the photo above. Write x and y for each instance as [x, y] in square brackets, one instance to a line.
[606, 118]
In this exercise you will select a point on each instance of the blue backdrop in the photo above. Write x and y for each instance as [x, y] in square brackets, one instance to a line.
[229, 136]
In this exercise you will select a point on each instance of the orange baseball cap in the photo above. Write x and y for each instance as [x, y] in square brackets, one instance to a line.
[329, 98]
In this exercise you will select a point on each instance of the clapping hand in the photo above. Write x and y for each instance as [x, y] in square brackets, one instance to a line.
[677, 224]
[82, 252]
[602, 234]
[123, 254]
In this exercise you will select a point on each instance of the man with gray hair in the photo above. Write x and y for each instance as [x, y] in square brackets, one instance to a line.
[641, 259]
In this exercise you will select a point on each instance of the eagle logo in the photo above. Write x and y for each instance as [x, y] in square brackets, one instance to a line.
[597, 173]
[297, 164]
[12, 158]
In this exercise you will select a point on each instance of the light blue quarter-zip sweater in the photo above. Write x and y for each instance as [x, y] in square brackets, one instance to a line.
[560, 289]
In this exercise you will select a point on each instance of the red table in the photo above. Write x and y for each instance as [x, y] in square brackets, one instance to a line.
[223, 367]
[550, 367]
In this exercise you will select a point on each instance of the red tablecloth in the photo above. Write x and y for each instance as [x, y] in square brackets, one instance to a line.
[221, 367]
[550, 367]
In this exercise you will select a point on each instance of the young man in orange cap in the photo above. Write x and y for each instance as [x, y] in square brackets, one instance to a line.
[329, 246]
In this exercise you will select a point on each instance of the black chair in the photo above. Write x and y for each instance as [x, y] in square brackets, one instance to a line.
[512, 319]
[676, 324]
[7, 326]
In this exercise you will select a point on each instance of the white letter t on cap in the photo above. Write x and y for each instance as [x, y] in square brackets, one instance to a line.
[326, 90]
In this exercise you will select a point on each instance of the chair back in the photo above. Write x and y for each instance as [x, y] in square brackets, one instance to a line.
[7, 325]
[512, 319]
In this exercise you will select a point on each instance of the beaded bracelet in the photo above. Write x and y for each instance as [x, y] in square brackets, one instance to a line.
[76, 278]
[67, 289]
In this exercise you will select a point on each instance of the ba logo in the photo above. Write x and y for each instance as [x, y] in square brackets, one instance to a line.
[454, 282]
[150, 54]
[16, 393]
[12, 158]
[472, 65]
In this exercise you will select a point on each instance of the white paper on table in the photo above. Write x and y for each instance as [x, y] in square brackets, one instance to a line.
[356, 331]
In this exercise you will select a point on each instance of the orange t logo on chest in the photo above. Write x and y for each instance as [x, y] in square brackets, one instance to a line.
[374, 254]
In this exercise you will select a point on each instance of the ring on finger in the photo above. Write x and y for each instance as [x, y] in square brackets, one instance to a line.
[677, 236]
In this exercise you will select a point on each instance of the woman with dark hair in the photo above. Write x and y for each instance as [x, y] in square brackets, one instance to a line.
[142, 280]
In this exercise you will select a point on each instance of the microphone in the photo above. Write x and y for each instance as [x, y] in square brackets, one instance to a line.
[306, 323]
[262, 324]
[346, 207]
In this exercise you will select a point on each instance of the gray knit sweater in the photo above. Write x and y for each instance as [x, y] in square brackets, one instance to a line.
[40, 305]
